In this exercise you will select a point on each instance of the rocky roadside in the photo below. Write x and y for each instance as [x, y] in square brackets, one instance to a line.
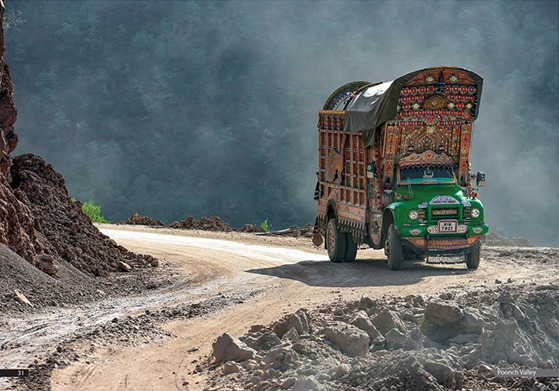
[448, 342]
[25, 289]
[132, 330]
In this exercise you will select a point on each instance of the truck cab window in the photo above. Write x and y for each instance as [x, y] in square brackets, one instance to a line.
[428, 174]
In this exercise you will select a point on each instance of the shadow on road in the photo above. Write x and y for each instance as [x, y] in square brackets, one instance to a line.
[361, 273]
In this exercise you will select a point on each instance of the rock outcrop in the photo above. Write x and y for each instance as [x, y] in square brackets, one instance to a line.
[206, 223]
[17, 223]
[136, 219]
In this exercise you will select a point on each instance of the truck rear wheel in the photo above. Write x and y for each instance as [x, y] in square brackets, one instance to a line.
[393, 248]
[472, 259]
[335, 241]
[350, 248]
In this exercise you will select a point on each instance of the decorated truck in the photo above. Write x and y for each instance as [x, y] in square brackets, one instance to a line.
[394, 168]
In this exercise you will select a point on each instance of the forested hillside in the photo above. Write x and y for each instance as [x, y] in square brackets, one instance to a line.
[149, 109]
[172, 109]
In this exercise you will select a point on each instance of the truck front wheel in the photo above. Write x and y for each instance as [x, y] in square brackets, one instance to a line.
[393, 248]
[472, 259]
[335, 241]
[350, 248]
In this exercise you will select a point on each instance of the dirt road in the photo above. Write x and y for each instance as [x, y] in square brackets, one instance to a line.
[233, 281]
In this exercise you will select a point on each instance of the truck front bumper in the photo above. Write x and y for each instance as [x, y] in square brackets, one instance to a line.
[442, 245]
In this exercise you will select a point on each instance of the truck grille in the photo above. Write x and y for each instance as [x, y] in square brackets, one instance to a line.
[445, 213]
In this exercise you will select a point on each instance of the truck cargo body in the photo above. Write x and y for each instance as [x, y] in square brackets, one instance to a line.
[394, 167]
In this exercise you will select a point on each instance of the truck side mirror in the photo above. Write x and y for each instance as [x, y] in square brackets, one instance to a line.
[480, 179]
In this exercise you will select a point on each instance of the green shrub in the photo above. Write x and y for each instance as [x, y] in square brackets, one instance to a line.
[93, 212]
[265, 226]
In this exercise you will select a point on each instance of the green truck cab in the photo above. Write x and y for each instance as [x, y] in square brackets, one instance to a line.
[394, 168]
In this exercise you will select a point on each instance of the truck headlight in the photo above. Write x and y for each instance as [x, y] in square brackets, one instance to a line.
[475, 212]
[413, 215]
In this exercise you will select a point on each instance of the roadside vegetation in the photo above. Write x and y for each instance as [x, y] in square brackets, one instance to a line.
[265, 226]
[93, 211]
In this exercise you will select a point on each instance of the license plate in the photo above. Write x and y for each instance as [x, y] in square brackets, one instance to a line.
[448, 226]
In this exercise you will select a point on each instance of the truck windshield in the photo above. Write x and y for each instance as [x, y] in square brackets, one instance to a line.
[426, 175]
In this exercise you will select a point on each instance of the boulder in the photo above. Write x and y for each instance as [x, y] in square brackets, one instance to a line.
[443, 314]
[46, 263]
[388, 320]
[264, 341]
[291, 335]
[418, 301]
[362, 321]
[415, 340]
[229, 348]
[279, 357]
[230, 367]
[445, 375]
[442, 322]
[395, 339]
[471, 323]
[509, 342]
[366, 304]
[300, 321]
[351, 340]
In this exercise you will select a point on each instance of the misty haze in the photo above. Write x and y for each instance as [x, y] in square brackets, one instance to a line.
[186, 118]
[170, 109]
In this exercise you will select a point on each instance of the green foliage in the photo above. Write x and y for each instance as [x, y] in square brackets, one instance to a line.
[93, 212]
[265, 226]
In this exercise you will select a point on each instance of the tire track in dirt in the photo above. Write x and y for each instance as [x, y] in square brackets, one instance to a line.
[284, 279]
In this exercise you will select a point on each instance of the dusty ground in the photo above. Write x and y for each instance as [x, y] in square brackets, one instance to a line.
[212, 283]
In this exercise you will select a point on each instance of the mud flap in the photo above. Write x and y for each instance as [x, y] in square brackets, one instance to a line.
[317, 238]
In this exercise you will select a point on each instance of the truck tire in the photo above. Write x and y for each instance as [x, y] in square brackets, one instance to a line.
[394, 249]
[472, 259]
[350, 248]
[335, 241]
